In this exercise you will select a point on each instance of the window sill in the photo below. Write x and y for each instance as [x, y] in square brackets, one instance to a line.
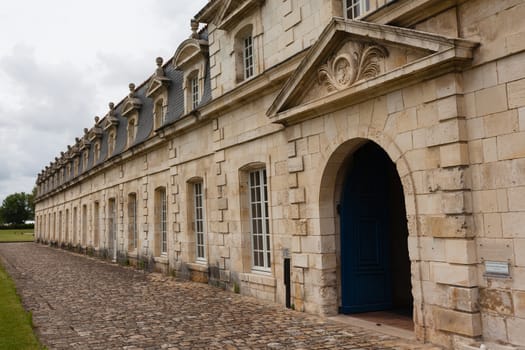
[198, 266]
[163, 259]
[259, 277]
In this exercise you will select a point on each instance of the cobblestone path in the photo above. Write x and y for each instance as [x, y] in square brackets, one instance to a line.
[84, 303]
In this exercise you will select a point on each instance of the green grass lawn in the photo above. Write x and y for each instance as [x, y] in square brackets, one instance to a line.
[16, 235]
[16, 330]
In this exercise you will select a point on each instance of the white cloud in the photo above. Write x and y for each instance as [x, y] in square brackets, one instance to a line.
[62, 61]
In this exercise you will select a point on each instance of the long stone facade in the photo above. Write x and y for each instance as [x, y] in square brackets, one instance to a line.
[335, 156]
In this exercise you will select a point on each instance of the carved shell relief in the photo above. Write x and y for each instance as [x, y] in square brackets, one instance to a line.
[355, 62]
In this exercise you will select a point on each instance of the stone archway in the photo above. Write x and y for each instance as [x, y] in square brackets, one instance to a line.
[338, 168]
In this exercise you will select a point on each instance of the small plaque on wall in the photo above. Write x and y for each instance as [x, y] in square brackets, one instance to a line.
[497, 268]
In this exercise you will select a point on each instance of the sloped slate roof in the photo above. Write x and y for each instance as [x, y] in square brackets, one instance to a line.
[175, 111]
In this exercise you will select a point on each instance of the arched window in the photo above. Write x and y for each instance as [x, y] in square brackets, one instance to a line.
[132, 130]
[158, 114]
[111, 142]
[193, 84]
[96, 152]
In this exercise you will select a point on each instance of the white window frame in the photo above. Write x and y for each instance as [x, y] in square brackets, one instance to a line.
[356, 8]
[259, 220]
[163, 222]
[247, 56]
[199, 222]
[132, 217]
[194, 91]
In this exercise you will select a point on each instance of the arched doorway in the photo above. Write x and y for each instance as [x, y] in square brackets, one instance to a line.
[375, 267]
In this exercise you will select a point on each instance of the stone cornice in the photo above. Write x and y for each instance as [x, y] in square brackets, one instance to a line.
[406, 13]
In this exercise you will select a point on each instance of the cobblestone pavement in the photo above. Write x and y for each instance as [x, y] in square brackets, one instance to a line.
[84, 303]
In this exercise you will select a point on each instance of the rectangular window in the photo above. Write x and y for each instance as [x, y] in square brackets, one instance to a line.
[84, 225]
[199, 220]
[194, 86]
[132, 223]
[163, 223]
[259, 222]
[96, 224]
[60, 225]
[66, 229]
[356, 8]
[75, 225]
[248, 57]
[112, 227]
[54, 225]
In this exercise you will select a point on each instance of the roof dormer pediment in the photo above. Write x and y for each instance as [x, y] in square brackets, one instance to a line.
[353, 60]
[111, 117]
[132, 103]
[189, 51]
[158, 83]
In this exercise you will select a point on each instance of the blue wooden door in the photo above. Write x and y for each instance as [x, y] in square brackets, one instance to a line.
[365, 247]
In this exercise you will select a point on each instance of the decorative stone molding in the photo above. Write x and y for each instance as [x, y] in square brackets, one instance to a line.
[96, 131]
[159, 82]
[85, 143]
[111, 117]
[132, 103]
[347, 68]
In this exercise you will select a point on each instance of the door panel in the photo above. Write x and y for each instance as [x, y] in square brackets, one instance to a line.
[365, 253]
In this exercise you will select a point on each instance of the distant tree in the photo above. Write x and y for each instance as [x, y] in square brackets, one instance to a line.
[31, 200]
[16, 208]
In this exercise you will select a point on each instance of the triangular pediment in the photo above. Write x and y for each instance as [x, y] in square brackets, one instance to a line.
[132, 103]
[156, 86]
[353, 60]
[233, 11]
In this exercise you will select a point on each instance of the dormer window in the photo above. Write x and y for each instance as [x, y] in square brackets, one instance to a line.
[96, 152]
[356, 8]
[130, 110]
[76, 162]
[111, 142]
[158, 91]
[190, 58]
[85, 160]
[194, 88]
[132, 130]
[158, 114]
[192, 91]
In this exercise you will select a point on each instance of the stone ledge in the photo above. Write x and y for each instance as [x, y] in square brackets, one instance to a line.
[255, 278]
[488, 346]
[198, 266]
[161, 260]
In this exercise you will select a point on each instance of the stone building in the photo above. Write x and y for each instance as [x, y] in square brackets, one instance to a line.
[337, 156]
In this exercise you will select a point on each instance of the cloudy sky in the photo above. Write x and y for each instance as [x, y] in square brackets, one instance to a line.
[62, 61]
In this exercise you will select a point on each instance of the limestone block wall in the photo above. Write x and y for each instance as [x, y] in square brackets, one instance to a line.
[457, 141]
[494, 103]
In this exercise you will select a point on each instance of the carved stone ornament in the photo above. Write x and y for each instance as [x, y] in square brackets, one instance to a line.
[346, 68]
